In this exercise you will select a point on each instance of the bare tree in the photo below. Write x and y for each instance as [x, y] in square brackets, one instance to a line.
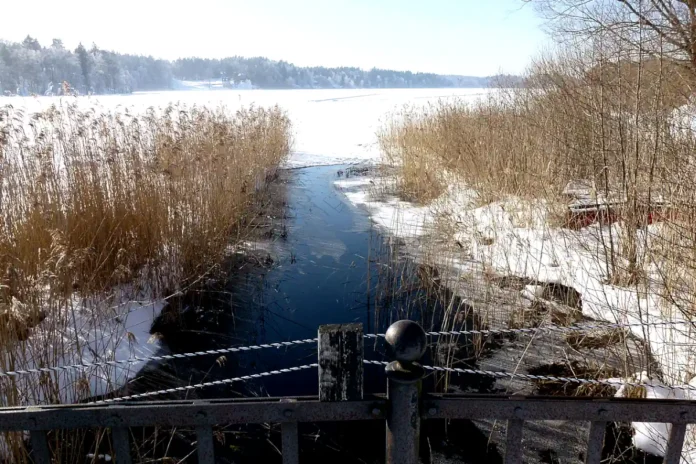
[656, 27]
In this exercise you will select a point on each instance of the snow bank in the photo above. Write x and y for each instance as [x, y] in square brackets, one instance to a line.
[517, 240]
[399, 217]
[90, 331]
[652, 437]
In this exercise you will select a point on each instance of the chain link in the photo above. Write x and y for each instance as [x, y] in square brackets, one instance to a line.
[138, 359]
[186, 388]
[165, 357]
[548, 328]
[515, 375]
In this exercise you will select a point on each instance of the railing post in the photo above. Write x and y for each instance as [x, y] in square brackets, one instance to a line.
[404, 382]
[341, 353]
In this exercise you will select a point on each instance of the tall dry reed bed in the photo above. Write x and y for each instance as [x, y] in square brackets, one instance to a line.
[98, 210]
[91, 200]
[619, 125]
[585, 176]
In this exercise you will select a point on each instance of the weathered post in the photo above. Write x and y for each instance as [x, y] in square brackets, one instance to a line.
[404, 375]
[341, 354]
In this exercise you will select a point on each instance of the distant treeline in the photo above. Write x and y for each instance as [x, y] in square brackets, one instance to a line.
[32, 68]
[265, 73]
[29, 67]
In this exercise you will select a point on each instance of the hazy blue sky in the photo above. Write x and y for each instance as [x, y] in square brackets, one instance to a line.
[477, 37]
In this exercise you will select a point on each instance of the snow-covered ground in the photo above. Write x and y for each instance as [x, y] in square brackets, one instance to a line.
[80, 335]
[513, 237]
[330, 126]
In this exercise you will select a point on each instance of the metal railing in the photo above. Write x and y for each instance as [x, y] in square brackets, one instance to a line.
[341, 398]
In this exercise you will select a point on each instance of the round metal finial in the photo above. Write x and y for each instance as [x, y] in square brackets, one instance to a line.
[407, 338]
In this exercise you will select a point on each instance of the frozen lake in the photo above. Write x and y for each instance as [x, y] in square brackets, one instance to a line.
[330, 126]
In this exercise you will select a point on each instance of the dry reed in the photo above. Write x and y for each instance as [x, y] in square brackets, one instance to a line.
[595, 115]
[97, 208]
[579, 119]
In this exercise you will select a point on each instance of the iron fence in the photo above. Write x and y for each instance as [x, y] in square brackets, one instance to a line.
[341, 398]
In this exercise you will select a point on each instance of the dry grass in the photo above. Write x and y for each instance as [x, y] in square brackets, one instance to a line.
[595, 339]
[573, 370]
[581, 117]
[455, 138]
[604, 116]
[92, 200]
[530, 143]
[96, 205]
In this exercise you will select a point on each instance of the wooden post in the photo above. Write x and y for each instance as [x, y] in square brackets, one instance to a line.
[341, 354]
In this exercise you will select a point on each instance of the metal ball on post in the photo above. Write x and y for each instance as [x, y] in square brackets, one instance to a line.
[404, 382]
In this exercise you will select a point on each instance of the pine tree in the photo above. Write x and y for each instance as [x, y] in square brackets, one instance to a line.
[85, 64]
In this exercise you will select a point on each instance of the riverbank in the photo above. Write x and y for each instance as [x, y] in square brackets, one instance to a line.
[318, 260]
[501, 299]
[571, 182]
[320, 119]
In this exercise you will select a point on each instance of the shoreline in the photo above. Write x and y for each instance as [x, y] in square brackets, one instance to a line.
[501, 300]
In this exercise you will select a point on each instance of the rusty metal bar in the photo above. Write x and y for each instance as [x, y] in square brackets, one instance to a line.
[188, 413]
[556, 408]
[206, 446]
[404, 413]
[121, 444]
[513, 441]
[675, 444]
[404, 383]
[403, 423]
[595, 441]
[291, 443]
[39, 446]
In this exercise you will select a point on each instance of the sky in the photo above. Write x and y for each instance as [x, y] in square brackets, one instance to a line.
[467, 37]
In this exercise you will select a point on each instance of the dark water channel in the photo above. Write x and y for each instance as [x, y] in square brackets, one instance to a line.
[319, 261]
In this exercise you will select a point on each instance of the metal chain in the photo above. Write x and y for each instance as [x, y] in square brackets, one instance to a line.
[138, 359]
[165, 357]
[514, 375]
[548, 328]
[243, 378]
